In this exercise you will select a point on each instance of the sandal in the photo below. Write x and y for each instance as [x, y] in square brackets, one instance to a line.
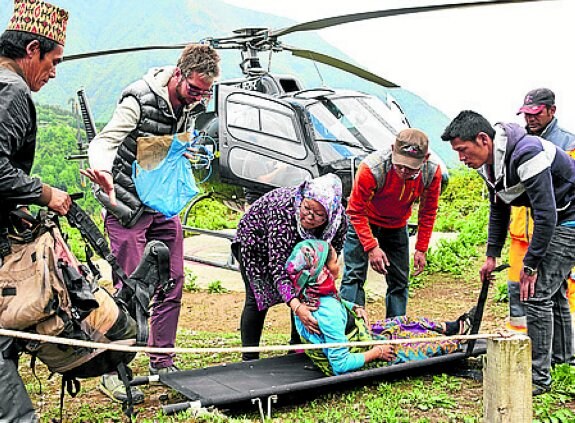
[466, 321]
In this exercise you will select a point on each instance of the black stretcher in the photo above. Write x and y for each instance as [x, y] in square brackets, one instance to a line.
[227, 385]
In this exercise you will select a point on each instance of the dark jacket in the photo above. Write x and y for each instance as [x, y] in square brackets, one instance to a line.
[17, 141]
[528, 171]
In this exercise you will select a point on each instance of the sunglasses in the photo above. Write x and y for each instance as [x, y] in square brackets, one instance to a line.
[195, 91]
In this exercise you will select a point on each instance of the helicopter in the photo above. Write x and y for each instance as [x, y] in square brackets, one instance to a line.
[266, 130]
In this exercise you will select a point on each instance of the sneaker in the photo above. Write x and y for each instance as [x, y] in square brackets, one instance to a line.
[112, 386]
[540, 389]
[156, 371]
[162, 370]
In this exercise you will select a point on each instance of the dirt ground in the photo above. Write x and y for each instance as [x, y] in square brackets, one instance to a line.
[442, 299]
[220, 313]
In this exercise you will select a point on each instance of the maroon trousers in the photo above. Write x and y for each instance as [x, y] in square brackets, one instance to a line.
[128, 246]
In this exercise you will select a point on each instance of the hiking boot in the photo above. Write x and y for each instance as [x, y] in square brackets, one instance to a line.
[112, 386]
[540, 389]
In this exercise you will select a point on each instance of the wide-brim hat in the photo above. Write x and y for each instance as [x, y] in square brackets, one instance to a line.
[39, 17]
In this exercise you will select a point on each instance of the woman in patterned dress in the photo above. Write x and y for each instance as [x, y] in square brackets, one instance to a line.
[265, 238]
[313, 269]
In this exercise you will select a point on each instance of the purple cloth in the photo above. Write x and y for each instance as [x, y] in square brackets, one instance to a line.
[128, 246]
[267, 234]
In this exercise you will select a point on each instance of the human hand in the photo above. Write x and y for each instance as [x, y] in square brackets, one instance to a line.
[526, 285]
[303, 312]
[386, 352]
[191, 153]
[419, 262]
[60, 201]
[104, 179]
[361, 313]
[378, 260]
[486, 271]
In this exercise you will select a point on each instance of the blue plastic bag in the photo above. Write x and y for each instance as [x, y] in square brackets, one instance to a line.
[170, 185]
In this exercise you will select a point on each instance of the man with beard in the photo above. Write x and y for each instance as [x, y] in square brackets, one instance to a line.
[159, 104]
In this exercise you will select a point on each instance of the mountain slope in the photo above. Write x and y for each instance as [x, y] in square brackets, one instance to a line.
[107, 24]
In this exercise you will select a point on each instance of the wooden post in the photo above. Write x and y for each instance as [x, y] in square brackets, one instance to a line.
[507, 381]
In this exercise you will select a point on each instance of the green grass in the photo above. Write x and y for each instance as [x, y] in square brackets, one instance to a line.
[419, 399]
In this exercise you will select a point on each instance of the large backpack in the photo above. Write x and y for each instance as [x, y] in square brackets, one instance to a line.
[46, 290]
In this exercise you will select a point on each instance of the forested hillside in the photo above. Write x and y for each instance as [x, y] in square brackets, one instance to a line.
[57, 139]
[110, 24]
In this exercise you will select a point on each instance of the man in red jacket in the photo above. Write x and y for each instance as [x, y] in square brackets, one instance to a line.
[386, 185]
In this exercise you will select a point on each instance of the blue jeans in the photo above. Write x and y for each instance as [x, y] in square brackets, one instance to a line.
[395, 244]
[548, 316]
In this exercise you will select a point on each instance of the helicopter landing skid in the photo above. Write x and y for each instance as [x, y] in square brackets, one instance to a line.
[230, 264]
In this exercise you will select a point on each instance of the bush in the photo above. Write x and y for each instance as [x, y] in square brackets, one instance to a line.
[190, 281]
[463, 208]
[211, 214]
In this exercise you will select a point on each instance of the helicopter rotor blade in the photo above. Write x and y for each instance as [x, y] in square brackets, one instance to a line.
[120, 51]
[340, 64]
[354, 17]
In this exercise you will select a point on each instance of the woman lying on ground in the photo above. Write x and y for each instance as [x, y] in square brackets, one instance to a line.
[313, 268]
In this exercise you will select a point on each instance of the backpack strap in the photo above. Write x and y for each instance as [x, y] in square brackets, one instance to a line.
[151, 276]
[379, 162]
[70, 385]
[428, 172]
[125, 374]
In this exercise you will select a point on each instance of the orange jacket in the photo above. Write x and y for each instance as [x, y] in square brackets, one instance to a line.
[390, 206]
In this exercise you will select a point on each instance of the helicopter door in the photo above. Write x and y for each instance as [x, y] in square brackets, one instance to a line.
[261, 141]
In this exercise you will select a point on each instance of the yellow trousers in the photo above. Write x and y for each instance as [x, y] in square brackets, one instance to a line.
[517, 251]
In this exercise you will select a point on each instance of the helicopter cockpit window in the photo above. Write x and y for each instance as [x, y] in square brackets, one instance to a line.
[264, 122]
[265, 170]
[348, 126]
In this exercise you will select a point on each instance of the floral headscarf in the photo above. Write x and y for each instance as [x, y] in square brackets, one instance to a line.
[307, 271]
[326, 190]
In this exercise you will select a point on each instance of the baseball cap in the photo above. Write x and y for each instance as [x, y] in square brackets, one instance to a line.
[536, 100]
[410, 148]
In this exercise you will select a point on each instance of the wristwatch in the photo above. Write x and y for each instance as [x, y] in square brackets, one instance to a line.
[529, 271]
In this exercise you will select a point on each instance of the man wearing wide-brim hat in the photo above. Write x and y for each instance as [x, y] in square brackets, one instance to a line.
[30, 49]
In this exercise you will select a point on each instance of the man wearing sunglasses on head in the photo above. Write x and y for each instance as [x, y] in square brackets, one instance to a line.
[159, 104]
[386, 185]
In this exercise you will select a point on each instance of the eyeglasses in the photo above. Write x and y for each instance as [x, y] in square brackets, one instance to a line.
[314, 214]
[195, 91]
[407, 171]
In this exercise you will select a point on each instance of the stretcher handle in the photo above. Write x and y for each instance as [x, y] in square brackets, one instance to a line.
[480, 307]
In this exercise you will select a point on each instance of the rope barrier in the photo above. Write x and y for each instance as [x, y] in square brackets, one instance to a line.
[121, 346]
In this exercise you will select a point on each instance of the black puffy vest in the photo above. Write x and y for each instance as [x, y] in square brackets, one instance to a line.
[156, 119]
